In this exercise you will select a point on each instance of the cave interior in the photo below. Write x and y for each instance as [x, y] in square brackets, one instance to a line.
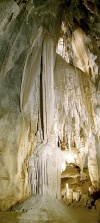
[49, 103]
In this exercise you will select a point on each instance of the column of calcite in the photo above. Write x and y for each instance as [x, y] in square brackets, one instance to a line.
[45, 170]
[47, 84]
[92, 160]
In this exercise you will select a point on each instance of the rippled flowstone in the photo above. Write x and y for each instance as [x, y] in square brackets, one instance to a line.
[43, 209]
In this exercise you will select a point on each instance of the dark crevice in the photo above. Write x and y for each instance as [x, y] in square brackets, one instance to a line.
[41, 99]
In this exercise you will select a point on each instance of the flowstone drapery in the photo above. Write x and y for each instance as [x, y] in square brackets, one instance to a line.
[45, 170]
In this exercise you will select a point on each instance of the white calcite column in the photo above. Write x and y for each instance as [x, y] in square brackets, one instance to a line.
[45, 170]
[48, 84]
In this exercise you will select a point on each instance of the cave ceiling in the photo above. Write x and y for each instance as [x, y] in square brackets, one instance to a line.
[75, 13]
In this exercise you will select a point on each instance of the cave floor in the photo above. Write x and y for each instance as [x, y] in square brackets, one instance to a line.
[47, 209]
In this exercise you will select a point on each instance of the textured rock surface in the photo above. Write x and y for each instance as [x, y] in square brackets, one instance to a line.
[87, 56]
[44, 171]
[28, 105]
[21, 38]
[76, 101]
[15, 134]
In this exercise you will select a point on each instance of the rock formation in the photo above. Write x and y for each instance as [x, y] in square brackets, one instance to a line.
[45, 169]
[42, 93]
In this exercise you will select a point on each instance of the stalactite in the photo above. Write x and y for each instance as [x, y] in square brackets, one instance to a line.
[77, 109]
[47, 84]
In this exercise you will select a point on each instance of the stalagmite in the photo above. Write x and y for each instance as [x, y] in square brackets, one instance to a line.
[45, 169]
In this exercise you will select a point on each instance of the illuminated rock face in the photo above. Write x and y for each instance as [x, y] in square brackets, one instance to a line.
[86, 57]
[39, 92]
[82, 51]
[17, 134]
[76, 102]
